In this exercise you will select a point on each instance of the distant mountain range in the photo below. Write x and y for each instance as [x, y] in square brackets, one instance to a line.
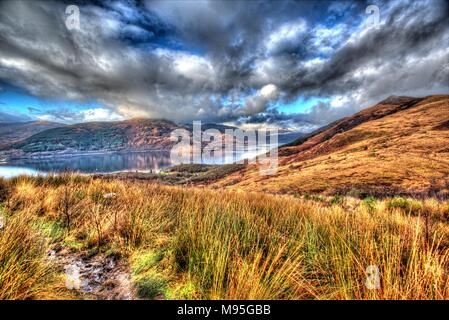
[135, 135]
[8, 118]
[11, 132]
[42, 139]
[400, 145]
[207, 126]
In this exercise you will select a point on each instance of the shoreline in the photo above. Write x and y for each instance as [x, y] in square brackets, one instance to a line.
[6, 158]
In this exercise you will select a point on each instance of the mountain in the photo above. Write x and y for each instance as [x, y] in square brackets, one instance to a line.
[288, 137]
[17, 131]
[129, 135]
[9, 118]
[400, 145]
[384, 108]
[207, 126]
[284, 136]
[132, 135]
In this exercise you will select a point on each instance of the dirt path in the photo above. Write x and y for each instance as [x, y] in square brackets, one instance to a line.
[97, 277]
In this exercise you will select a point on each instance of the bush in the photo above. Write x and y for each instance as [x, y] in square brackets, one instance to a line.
[408, 205]
[217, 172]
[190, 168]
[336, 200]
[370, 203]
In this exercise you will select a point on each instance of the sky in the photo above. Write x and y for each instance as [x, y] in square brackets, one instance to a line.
[288, 64]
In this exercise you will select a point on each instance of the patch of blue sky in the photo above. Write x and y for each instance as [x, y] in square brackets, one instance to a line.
[346, 12]
[163, 42]
[233, 100]
[300, 105]
[17, 102]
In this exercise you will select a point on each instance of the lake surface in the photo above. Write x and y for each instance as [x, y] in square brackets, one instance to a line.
[115, 162]
[91, 163]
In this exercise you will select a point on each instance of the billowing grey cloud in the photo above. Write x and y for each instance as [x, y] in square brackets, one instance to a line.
[225, 60]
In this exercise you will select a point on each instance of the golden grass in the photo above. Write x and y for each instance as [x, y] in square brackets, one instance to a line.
[404, 152]
[25, 272]
[203, 244]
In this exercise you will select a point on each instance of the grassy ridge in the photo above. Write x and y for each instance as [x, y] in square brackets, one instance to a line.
[399, 146]
[203, 244]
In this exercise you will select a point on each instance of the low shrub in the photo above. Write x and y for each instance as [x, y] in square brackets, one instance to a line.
[370, 203]
[336, 200]
[410, 206]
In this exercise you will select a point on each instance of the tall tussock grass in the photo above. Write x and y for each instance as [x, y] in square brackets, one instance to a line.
[232, 245]
[25, 272]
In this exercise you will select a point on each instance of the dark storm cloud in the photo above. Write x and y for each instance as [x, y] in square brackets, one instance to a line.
[184, 60]
[406, 33]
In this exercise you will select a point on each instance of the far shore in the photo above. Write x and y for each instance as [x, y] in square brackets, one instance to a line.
[38, 156]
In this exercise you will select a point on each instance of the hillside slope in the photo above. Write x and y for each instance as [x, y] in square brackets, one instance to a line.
[130, 135]
[17, 131]
[400, 145]
[135, 134]
[6, 117]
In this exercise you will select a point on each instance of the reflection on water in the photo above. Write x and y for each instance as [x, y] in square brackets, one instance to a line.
[9, 171]
[93, 163]
[103, 163]
[114, 162]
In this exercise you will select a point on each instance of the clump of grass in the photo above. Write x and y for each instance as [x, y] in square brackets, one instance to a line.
[145, 261]
[149, 282]
[314, 197]
[5, 190]
[150, 285]
[336, 200]
[370, 203]
[411, 206]
[25, 272]
[182, 291]
[50, 229]
[72, 243]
